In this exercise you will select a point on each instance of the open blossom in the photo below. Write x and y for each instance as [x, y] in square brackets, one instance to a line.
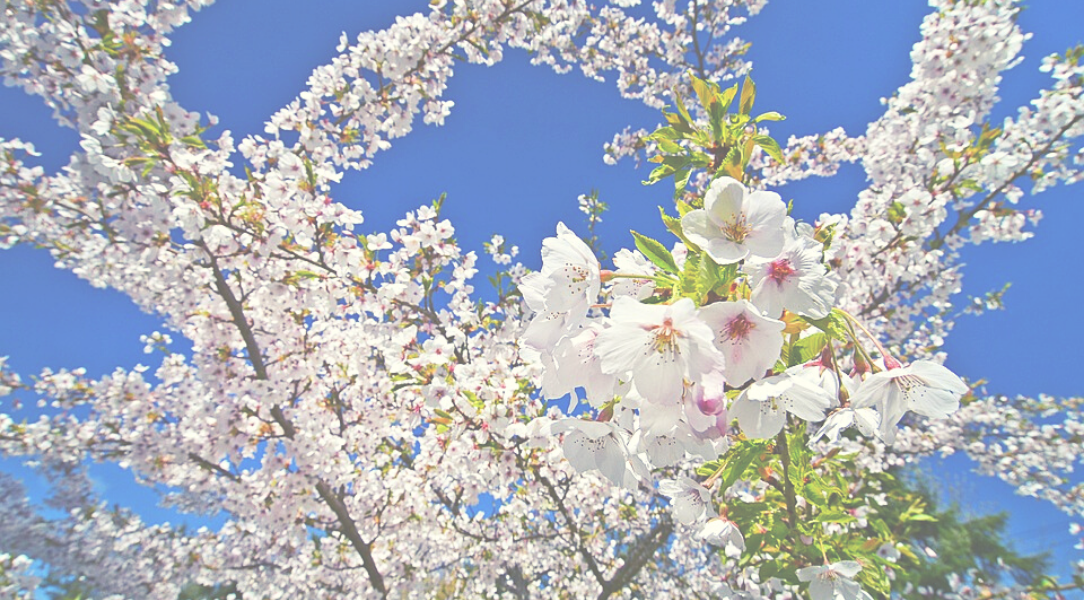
[795, 280]
[762, 409]
[591, 445]
[574, 364]
[924, 387]
[725, 534]
[736, 223]
[631, 262]
[834, 581]
[688, 498]
[865, 418]
[749, 341]
[562, 292]
[657, 347]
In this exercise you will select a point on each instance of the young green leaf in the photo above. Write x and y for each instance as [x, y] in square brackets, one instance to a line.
[770, 116]
[748, 95]
[656, 253]
[770, 146]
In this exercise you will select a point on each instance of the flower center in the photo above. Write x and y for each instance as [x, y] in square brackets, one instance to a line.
[665, 337]
[739, 328]
[736, 230]
[780, 271]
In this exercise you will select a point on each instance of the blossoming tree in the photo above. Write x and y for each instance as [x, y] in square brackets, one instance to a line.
[348, 398]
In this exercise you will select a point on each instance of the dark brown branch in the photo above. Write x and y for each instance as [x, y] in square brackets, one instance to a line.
[210, 466]
[350, 530]
[577, 534]
[638, 557]
[965, 217]
[346, 522]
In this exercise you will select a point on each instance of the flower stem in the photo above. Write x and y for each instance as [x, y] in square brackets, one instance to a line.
[788, 486]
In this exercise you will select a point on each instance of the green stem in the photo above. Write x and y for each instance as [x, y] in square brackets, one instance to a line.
[788, 486]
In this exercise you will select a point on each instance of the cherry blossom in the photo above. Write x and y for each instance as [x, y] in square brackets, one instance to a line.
[656, 347]
[795, 280]
[689, 499]
[762, 409]
[923, 387]
[834, 581]
[749, 341]
[736, 223]
[348, 401]
[723, 533]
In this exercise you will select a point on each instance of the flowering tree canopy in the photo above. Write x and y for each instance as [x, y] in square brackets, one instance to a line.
[739, 391]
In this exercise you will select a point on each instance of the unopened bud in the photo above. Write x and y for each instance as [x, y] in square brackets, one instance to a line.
[861, 367]
[606, 414]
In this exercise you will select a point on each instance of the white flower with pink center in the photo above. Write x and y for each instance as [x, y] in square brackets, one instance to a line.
[591, 445]
[923, 387]
[563, 291]
[725, 534]
[573, 364]
[762, 409]
[689, 499]
[795, 280]
[736, 223]
[657, 347]
[834, 581]
[749, 341]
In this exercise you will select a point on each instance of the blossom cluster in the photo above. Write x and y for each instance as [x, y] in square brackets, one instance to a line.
[671, 359]
[347, 400]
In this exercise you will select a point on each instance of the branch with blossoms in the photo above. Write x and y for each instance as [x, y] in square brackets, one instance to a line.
[347, 403]
[735, 323]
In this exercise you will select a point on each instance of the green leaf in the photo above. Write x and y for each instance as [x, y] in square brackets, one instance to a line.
[673, 225]
[718, 118]
[669, 146]
[709, 468]
[727, 98]
[809, 347]
[193, 140]
[748, 95]
[681, 181]
[743, 456]
[834, 517]
[677, 123]
[770, 116]
[707, 277]
[684, 112]
[770, 146]
[704, 92]
[689, 275]
[732, 164]
[727, 273]
[656, 253]
[834, 324]
[664, 133]
[897, 212]
[659, 173]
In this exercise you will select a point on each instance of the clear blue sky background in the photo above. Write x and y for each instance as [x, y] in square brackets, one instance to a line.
[523, 142]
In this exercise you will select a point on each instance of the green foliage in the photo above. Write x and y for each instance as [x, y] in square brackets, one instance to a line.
[722, 146]
[962, 542]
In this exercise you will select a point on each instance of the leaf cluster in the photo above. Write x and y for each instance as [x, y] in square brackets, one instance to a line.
[722, 146]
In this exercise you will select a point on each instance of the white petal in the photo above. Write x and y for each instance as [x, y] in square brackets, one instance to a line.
[611, 460]
[847, 568]
[938, 376]
[724, 200]
[757, 419]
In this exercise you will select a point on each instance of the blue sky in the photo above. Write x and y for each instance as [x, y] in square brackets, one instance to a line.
[522, 143]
